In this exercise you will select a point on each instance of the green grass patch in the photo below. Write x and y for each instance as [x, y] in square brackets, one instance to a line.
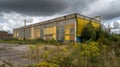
[33, 42]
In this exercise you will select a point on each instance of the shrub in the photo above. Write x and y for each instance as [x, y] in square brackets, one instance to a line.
[88, 33]
[46, 64]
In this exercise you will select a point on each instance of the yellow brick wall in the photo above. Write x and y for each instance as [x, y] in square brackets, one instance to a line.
[81, 24]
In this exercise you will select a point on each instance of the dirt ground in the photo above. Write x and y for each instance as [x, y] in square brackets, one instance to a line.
[14, 54]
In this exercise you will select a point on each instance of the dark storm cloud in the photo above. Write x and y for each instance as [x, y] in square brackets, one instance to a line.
[52, 7]
[33, 7]
[1, 16]
[77, 6]
[108, 16]
[44, 7]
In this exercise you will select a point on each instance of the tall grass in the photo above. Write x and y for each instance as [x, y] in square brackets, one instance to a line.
[90, 54]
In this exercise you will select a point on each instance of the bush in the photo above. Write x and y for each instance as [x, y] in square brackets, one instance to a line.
[88, 33]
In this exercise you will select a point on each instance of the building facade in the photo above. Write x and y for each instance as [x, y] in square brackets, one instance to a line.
[65, 29]
[5, 35]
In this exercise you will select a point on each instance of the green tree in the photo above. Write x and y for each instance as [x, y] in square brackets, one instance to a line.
[89, 32]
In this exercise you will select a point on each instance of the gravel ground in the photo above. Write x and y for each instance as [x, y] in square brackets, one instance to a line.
[13, 54]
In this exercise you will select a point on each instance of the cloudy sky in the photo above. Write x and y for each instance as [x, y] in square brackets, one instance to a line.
[13, 12]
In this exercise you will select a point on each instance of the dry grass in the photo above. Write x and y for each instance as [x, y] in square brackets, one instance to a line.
[70, 56]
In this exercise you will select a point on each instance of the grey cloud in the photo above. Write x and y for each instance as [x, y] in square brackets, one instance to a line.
[44, 7]
[108, 14]
[113, 11]
[77, 6]
[52, 7]
[33, 7]
[107, 9]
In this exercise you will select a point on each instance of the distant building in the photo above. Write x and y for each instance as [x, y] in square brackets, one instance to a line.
[115, 31]
[5, 35]
[10, 35]
[66, 28]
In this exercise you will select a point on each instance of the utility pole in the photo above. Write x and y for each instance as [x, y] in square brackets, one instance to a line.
[109, 29]
[24, 28]
[25, 22]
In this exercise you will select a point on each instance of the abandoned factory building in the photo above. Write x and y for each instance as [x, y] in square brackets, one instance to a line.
[66, 28]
